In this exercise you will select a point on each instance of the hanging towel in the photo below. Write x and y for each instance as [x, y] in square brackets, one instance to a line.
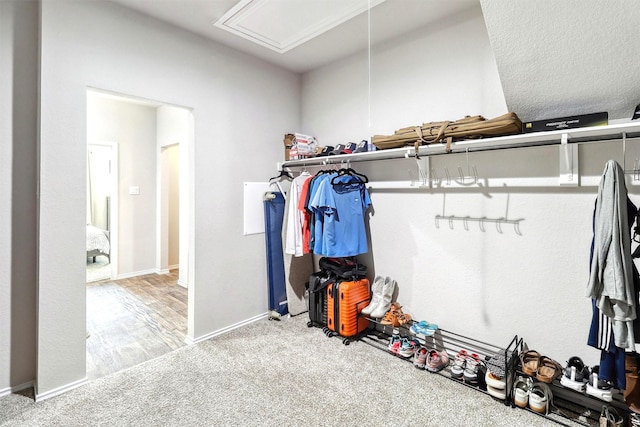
[610, 280]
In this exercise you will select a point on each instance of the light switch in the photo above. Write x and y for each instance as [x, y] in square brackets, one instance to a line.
[134, 190]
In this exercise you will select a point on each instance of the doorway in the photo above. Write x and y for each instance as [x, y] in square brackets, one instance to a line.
[139, 311]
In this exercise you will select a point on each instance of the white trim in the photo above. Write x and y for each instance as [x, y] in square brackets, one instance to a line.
[158, 271]
[174, 267]
[224, 330]
[183, 284]
[238, 20]
[136, 274]
[60, 390]
[16, 388]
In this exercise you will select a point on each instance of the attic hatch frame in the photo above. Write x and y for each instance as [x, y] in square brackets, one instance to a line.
[568, 140]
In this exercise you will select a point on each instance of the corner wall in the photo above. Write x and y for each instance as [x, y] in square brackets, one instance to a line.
[19, 27]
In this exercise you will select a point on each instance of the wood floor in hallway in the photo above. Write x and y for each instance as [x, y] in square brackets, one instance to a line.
[133, 320]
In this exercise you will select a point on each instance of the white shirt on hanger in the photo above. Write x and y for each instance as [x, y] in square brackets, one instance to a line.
[295, 220]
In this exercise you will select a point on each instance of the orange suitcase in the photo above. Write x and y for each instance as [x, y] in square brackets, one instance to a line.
[345, 301]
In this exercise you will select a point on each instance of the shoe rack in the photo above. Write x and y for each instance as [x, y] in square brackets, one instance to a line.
[569, 407]
[378, 336]
[575, 406]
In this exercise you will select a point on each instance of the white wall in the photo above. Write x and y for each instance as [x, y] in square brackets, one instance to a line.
[174, 204]
[239, 116]
[169, 208]
[443, 72]
[133, 127]
[488, 285]
[173, 133]
[18, 186]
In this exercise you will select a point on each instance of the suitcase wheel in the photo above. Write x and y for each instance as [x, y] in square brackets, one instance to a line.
[309, 324]
[346, 341]
[328, 332]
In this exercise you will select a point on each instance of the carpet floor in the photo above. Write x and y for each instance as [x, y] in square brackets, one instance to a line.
[269, 373]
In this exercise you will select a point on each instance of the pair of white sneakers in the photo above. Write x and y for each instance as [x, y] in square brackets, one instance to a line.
[533, 394]
[382, 291]
[577, 376]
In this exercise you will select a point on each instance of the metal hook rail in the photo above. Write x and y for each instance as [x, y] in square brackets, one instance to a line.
[481, 222]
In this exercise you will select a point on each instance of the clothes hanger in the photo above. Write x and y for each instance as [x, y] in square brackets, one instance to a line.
[283, 174]
[349, 171]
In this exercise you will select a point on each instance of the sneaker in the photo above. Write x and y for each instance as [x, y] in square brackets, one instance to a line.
[521, 390]
[470, 374]
[575, 375]
[437, 360]
[597, 387]
[494, 381]
[423, 328]
[459, 364]
[420, 358]
[496, 386]
[409, 347]
[395, 343]
[540, 398]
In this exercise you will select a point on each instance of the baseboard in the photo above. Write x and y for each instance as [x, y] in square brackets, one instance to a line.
[136, 274]
[168, 269]
[190, 341]
[16, 388]
[183, 284]
[56, 391]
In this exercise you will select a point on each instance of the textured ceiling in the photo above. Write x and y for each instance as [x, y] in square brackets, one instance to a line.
[561, 58]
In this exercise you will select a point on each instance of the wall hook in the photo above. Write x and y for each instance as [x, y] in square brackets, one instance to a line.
[481, 224]
[499, 225]
[516, 227]
[446, 172]
[451, 222]
[434, 178]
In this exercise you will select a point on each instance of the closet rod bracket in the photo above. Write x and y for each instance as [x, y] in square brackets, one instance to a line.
[568, 162]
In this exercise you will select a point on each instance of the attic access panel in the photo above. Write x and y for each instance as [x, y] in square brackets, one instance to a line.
[281, 25]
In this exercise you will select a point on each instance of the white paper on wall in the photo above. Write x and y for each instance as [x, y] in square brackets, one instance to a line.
[254, 207]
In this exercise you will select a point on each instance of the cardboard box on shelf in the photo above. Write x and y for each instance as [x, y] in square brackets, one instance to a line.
[299, 146]
[288, 143]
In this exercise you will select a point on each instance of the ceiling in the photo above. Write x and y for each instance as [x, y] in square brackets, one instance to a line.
[562, 58]
[554, 58]
[389, 19]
